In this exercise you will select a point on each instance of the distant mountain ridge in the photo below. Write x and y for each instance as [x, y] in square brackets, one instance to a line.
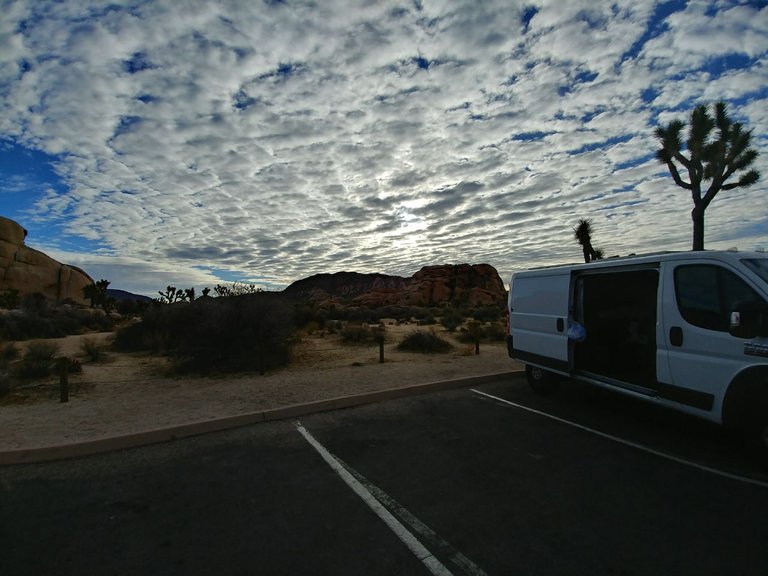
[454, 284]
[121, 295]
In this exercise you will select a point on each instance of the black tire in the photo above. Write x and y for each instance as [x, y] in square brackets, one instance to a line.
[541, 381]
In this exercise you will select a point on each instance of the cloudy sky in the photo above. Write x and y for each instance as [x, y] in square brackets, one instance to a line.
[199, 142]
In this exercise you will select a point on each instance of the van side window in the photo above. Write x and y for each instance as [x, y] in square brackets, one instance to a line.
[707, 294]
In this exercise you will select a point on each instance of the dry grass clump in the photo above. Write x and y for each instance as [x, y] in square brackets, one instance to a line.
[424, 341]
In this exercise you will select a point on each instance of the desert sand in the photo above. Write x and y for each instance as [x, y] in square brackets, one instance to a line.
[129, 393]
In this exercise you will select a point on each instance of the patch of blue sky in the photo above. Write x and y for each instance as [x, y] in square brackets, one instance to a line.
[67, 241]
[618, 205]
[25, 176]
[656, 26]
[634, 162]
[603, 144]
[126, 124]
[283, 71]
[527, 16]
[531, 136]
[227, 276]
[138, 62]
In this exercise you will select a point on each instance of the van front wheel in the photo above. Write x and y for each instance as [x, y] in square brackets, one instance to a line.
[541, 381]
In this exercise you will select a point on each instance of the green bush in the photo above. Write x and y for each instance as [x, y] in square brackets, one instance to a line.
[425, 342]
[38, 359]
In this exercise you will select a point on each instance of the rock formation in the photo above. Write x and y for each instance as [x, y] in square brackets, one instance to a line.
[459, 285]
[28, 270]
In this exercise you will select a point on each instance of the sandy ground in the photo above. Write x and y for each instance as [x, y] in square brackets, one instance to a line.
[128, 393]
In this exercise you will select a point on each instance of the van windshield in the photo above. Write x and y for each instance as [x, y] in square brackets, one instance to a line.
[758, 265]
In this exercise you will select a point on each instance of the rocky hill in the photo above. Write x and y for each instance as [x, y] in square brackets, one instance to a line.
[458, 285]
[28, 270]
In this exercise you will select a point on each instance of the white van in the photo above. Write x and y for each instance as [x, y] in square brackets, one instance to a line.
[686, 330]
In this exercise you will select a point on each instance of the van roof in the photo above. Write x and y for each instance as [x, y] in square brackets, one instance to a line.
[650, 258]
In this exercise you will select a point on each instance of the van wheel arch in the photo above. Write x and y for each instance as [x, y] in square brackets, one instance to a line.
[541, 381]
[745, 405]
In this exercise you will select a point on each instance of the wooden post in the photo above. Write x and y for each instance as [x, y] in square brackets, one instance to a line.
[63, 379]
[380, 339]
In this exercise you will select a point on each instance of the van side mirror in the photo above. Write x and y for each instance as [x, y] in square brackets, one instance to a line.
[749, 320]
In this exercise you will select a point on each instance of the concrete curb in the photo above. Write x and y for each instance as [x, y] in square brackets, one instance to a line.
[112, 443]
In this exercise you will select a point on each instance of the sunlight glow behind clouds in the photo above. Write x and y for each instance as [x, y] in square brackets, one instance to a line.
[281, 140]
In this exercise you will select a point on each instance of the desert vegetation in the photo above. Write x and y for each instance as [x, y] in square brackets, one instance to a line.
[34, 317]
[240, 330]
[249, 332]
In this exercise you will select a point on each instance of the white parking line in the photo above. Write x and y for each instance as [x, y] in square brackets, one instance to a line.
[664, 455]
[426, 557]
[426, 533]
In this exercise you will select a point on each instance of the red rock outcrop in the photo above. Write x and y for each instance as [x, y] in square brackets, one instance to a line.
[28, 270]
[460, 285]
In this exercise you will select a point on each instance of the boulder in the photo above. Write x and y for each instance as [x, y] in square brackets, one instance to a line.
[28, 270]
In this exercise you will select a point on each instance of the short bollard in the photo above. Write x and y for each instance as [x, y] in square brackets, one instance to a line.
[379, 337]
[63, 379]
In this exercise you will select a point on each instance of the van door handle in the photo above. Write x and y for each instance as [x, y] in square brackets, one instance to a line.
[676, 336]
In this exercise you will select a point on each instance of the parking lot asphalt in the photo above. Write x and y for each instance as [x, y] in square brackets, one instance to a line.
[582, 482]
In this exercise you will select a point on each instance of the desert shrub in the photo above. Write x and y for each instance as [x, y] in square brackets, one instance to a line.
[237, 333]
[6, 379]
[495, 331]
[74, 366]
[357, 334]
[475, 331]
[487, 313]
[425, 342]
[40, 320]
[8, 352]
[92, 348]
[9, 299]
[130, 337]
[452, 319]
[24, 325]
[38, 359]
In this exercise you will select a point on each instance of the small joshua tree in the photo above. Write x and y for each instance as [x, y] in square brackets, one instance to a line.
[583, 233]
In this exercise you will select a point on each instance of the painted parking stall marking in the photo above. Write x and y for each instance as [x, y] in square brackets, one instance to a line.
[381, 504]
[635, 445]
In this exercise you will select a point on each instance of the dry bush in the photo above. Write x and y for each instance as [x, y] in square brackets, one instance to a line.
[425, 342]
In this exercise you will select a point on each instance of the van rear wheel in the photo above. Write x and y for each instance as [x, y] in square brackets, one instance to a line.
[541, 381]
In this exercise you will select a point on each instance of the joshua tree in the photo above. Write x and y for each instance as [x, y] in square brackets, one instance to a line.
[583, 233]
[97, 294]
[713, 158]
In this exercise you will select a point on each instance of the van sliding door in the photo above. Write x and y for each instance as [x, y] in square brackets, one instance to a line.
[618, 309]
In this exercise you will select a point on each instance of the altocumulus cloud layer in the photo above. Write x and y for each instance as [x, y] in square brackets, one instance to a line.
[268, 140]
